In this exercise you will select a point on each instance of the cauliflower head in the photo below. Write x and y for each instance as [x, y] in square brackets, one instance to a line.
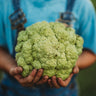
[51, 46]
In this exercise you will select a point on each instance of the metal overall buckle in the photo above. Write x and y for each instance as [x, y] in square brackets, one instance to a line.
[67, 18]
[18, 20]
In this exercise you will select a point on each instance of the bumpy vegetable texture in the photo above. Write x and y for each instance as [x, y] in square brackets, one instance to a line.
[50, 46]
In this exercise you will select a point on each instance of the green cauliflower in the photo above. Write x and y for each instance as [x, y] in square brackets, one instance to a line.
[51, 46]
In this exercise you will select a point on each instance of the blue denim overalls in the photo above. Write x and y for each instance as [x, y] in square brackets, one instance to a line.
[10, 87]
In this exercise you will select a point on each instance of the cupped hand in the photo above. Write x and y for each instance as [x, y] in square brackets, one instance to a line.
[58, 82]
[33, 78]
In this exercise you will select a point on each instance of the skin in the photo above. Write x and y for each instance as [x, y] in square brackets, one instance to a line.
[86, 59]
[58, 82]
[9, 65]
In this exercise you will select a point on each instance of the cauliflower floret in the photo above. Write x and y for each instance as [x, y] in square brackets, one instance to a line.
[26, 70]
[64, 74]
[18, 48]
[51, 46]
[22, 36]
[36, 64]
[49, 64]
[49, 72]
[21, 62]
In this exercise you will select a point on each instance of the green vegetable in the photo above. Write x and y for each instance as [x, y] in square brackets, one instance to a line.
[50, 46]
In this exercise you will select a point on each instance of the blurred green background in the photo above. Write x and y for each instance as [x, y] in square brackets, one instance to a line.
[87, 81]
[94, 3]
[86, 78]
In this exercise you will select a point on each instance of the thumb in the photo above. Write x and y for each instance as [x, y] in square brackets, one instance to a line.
[15, 71]
[76, 70]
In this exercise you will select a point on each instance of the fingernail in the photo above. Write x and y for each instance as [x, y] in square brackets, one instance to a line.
[46, 77]
[75, 70]
[49, 80]
[59, 79]
[34, 70]
[40, 71]
[69, 78]
[54, 77]
[18, 70]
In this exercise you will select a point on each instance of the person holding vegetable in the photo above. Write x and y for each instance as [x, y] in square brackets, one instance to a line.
[13, 84]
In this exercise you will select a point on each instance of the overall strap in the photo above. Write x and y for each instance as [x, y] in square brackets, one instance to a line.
[70, 5]
[16, 4]
[17, 20]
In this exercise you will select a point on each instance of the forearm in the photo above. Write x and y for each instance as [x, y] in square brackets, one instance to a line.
[6, 61]
[86, 59]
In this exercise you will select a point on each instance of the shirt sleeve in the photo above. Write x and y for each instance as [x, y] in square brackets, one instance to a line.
[2, 33]
[88, 25]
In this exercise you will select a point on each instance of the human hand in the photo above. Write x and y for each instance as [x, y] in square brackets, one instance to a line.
[29, 81]
[58, 82]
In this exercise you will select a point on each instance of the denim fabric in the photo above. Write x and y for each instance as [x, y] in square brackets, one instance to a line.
[13, 88]
[45, 10]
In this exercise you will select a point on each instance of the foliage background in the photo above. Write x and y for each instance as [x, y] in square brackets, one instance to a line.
[94, 3]
[86, 78]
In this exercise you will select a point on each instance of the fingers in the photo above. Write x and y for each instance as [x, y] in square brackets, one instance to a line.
[75, 70]
[16, 70]
[66, 82]
[50, 83]
[28, 79]
[38, 75]
[43, 80]
[17, 77]
[31, 77]
[54, 82]
[34, 77]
